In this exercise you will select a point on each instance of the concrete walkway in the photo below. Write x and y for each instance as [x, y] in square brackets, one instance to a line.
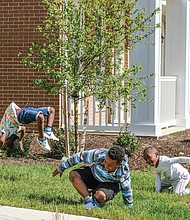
[12, 213]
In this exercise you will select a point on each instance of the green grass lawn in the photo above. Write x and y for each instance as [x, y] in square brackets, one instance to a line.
[32, 186]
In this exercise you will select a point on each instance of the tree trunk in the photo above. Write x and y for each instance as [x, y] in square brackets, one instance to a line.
[66, 130]
[76, 124]
[83, 134]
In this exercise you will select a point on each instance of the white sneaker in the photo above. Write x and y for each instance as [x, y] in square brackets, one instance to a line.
[44, 144]
[186, 191]
[50, 135]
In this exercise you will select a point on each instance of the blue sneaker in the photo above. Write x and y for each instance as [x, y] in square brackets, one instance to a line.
[92, 204]
[96, 202]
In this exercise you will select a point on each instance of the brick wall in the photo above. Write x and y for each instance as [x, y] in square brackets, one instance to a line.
[18, 21]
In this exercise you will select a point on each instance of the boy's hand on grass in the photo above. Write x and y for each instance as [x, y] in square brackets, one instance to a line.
[55, 172]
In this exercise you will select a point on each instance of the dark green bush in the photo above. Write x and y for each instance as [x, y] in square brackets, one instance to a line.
[58, 149]
[127, 140]
[12, 148]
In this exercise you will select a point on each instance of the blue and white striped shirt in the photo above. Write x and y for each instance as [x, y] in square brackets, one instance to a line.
[96, 158]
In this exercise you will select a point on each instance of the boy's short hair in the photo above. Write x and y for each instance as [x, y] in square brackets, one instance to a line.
[116, 153]
[153, 150]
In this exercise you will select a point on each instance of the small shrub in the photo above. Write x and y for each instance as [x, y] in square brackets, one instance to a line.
[58, 149]
[127, 140]
[12, 148]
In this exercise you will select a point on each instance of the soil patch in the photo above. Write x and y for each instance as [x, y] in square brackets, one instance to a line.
[173, 145]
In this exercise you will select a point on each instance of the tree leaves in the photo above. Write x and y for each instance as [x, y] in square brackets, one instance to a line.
[84, 47]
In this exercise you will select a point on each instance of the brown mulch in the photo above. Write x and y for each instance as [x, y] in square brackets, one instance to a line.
[173, 145]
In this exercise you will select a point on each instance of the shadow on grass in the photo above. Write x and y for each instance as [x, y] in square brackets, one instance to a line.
[53, 200]
[148, 189]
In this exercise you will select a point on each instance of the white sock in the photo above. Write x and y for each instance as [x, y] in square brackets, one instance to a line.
[88, 198]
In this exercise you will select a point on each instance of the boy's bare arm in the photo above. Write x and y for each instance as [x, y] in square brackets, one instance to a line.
[2, 139]
[22, 130]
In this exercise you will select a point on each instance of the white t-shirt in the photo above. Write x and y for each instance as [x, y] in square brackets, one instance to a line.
[169, 168]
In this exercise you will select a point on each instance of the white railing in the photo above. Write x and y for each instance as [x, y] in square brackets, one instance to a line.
[168, 101]
[100, 120]
[104, 121]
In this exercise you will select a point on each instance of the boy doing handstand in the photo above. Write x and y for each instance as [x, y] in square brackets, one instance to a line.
[14, 118]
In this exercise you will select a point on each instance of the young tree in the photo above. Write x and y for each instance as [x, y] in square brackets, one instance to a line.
[83, 49]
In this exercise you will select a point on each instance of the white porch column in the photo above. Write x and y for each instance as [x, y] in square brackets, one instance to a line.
[178, 55]
[145, 118]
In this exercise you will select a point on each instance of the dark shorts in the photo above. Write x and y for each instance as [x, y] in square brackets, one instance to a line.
[110, 189]
[29, 115]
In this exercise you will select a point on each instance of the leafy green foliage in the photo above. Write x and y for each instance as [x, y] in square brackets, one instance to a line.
[127, 140]
[12, 148]
[58, 149]
[84, 46]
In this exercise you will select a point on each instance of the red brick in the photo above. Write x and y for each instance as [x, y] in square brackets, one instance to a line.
[18, 22]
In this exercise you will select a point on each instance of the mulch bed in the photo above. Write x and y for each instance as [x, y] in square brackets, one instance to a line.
[173, 145]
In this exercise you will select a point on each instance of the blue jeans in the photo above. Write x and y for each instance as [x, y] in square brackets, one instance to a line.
[29, 115]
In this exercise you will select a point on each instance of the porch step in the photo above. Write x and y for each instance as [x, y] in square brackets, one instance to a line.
[172, 129]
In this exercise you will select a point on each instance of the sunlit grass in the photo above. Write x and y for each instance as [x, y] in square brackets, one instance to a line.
[32, 186]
